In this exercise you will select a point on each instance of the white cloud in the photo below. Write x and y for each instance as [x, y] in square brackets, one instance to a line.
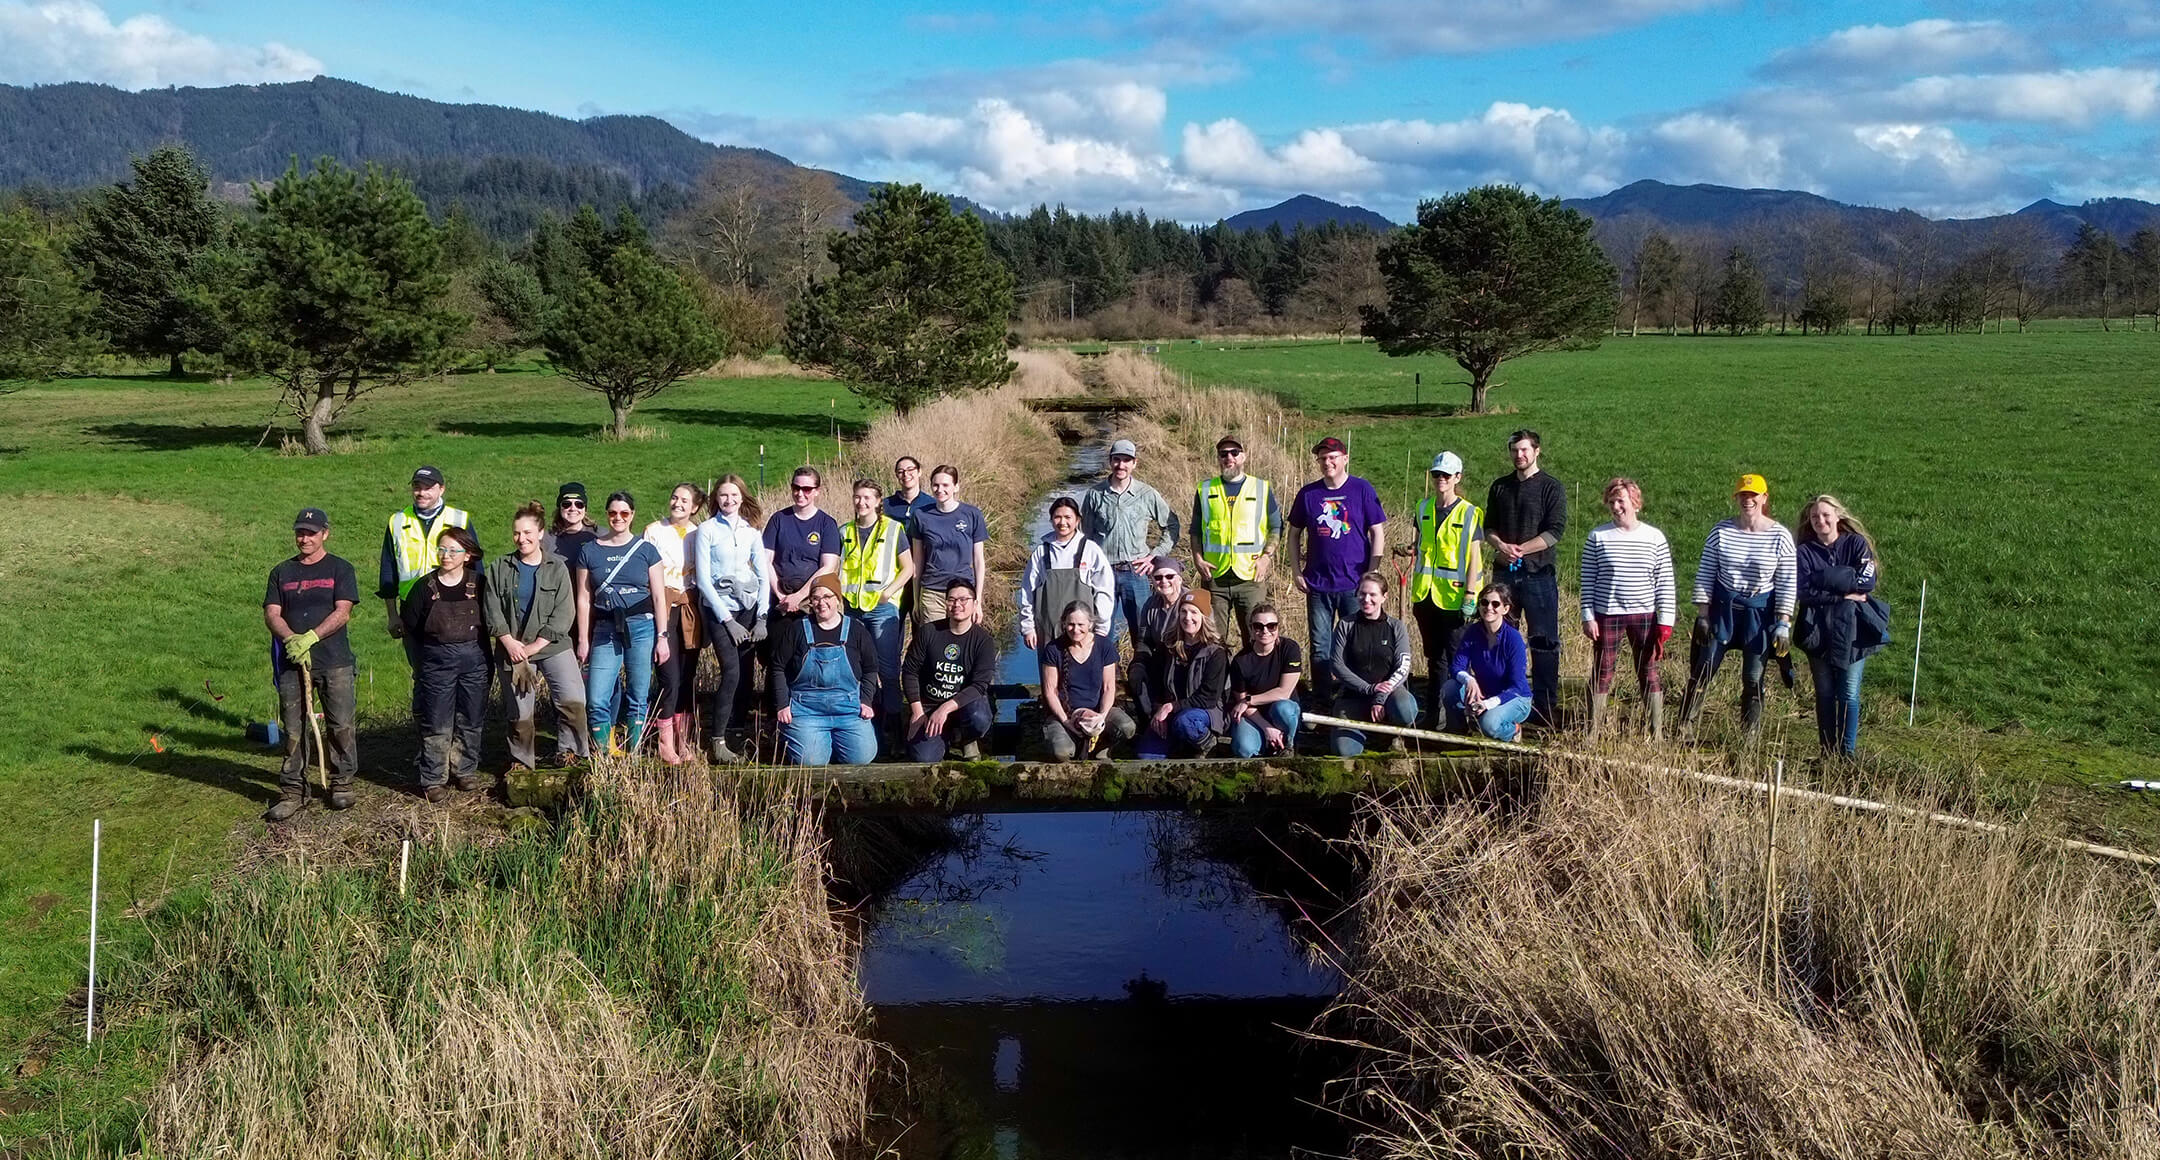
[1316, 160]
[1543, 148]
[1421, 27]
[1923, 46]
[1700, 147]
[2075, 98]
[74, 40]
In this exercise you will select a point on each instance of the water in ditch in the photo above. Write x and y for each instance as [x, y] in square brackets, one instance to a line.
[1099, 984]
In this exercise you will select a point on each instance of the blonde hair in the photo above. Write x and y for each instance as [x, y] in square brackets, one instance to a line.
[1848, 524]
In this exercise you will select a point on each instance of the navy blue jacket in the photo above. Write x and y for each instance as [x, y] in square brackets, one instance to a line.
[1831, 627]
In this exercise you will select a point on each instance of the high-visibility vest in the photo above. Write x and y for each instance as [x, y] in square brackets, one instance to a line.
[414, 542]
[1235, 530]
[867, 566]
[1443, 555]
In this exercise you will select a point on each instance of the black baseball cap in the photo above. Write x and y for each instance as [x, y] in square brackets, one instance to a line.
[428, 475]
[572, 490]
[311, 520]
[1229, 443]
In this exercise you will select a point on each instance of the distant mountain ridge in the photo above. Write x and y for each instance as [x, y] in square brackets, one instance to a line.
[1308, 211]
[1724, 208]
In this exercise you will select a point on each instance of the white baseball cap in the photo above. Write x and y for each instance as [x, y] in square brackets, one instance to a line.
[1447, 463]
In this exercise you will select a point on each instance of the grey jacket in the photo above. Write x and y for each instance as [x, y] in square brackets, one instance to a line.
[554, 606]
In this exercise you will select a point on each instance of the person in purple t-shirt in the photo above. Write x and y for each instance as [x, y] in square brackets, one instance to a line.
[1338, 531]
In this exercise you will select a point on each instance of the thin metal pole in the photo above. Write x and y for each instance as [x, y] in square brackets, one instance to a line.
[1912, 705]
[97, 842]
[404, 860]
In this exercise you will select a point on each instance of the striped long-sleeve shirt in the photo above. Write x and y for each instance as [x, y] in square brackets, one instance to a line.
[1747, 563]
[1627, 571]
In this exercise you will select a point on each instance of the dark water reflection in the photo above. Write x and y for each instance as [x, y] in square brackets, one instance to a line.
[1099, 984]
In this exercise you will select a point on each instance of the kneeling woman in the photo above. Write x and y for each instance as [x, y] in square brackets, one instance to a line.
[1372, 668]
[825, 681]
[1492, 672]
[1079, 689]
[1186, 683]
[444, 613]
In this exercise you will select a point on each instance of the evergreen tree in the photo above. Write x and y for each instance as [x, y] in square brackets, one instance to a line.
[1491, 274]
[44, 313]
[1740, 306]
[915, 308]
[140, 246]
[630, 329]
[339, 291]
[2090, 271]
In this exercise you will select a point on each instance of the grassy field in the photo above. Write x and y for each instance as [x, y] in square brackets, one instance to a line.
[131, 635]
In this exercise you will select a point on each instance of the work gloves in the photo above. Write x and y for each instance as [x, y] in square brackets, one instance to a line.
[1781, 639]
[1664, 634]
[737, 634]
[525, 678]
[298, 644]
[757, 632]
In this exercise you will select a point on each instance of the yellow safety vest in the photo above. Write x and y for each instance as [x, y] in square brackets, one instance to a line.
[867, 566]
[1443, 557]
[1235, 532]
[415, 544]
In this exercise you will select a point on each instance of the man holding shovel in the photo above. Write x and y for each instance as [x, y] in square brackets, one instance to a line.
[307, 604]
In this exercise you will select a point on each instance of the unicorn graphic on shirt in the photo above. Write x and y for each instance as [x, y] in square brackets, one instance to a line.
[1331, 522]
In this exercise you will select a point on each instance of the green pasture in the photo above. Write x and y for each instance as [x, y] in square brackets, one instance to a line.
[2014, 473]
[146, 521]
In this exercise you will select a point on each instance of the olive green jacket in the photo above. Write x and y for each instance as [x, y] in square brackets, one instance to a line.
[554, 606]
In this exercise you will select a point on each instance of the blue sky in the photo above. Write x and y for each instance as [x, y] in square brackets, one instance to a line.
[1199, 108]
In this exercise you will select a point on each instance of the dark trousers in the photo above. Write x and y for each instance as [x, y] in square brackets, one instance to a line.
[1537, 598]
[1234, 600]
[1439, 630]
[333, 695]
[968, 723]
[675, 679]
[731, 701]
[453, 692]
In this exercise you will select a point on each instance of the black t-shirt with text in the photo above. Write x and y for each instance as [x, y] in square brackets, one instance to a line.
[1252, 674]
[306, 595]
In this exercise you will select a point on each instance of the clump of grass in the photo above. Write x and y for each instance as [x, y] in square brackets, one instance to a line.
[1594, 979]
[638, 433]
[657, 976]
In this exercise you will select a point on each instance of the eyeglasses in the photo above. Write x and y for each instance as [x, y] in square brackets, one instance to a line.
[573, 503]
[450, 550]
[1266, 625]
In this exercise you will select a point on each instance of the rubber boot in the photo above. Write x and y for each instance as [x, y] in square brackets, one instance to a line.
[1654, 705]
[664, 729]
[1751, 697]
[636, 739]
[721, 754]
[1598, 703]
[286, 807]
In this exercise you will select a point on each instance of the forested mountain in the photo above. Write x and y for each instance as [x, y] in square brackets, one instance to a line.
[1308, 211]
[1723, 209]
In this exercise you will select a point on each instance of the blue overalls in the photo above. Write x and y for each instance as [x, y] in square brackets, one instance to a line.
[826, 704]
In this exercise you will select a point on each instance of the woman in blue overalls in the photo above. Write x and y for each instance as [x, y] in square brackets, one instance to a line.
[825, 680]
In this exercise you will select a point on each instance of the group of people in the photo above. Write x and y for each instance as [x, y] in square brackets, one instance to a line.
[869, 632]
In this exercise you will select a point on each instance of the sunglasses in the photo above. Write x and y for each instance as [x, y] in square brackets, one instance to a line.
[1492, 604]
[1227, 452]
[573, 503]
[1266, 625]
[1165, 578]
[619, 513]
[799, 489]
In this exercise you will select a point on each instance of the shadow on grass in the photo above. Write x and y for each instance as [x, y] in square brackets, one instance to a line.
[7, 451]
[520, 428]
[819, 426]
[256, 783]
[1414, 410]
[180, 436]
[193, 704]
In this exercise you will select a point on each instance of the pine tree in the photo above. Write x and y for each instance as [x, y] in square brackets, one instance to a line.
[339, 291]
[141, 245]
[629, 329]
[44, 313]
[916, 307]
[1739, 307]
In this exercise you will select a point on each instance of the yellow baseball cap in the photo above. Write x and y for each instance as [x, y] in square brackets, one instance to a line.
[1752, 482]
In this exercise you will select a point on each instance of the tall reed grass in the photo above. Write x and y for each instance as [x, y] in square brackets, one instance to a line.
[1594, 978]
[657, 976]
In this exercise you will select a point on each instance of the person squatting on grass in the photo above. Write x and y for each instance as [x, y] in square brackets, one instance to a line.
[1745, 588]
[1264, 711]
[1115, 512]
[1448, 565]
[444, 614]
[947, 540]
[1187, 681]
[1525, 518]
[1372, 668]
[1491, 677]
[731, 577]
[1079, 688]
[409, 552]
[307, 604]
[876, 567]
[946, 678]
[1627, 591]
[1065, 567]
[1339, 532]
[530, 610]
[824, 681]
[1840, 623]
[622, 628]
[674, 706]
[1234, 520]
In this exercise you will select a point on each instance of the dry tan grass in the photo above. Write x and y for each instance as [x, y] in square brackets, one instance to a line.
[764, 366]
[1593, 981]
[660, 978]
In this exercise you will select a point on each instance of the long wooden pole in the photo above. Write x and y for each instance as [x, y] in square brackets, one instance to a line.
[97, 842]
[1841, 801]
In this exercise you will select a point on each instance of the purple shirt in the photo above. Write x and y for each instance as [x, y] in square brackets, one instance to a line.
[1335, 520]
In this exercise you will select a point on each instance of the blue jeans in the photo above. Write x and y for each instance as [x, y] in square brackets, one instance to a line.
[1187, 729]
[884, 625]
[1401, 710]
[1502, 722]
[1246, 738]
[971, 723]
[822, 738]
[1132, 593]
[1324, 612]
[618, 656]
[1837, 704]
